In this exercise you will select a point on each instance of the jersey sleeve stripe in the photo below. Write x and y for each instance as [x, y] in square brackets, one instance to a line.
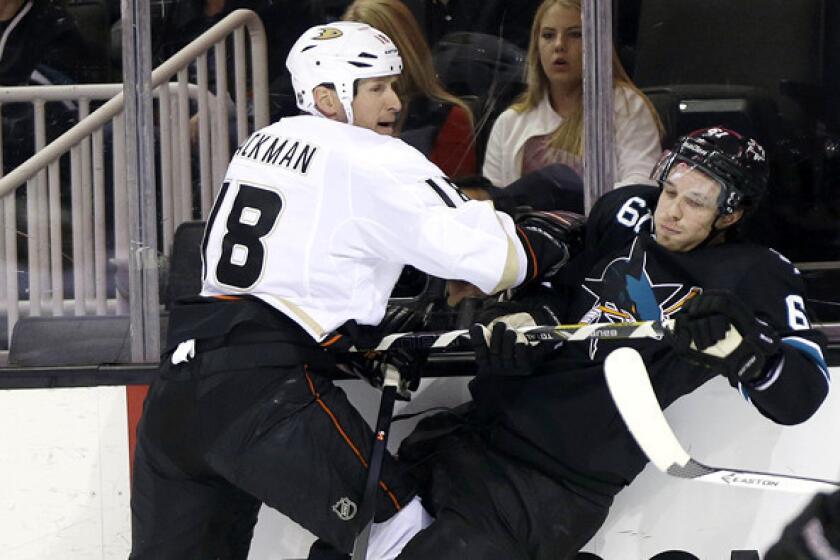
[298, 315]
[526, 243]
[743, 391]
[770, 379]
[513, 266]
[810, 349]
[443, 196]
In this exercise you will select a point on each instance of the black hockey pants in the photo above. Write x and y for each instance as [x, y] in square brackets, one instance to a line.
[214, 443]
[490, 506]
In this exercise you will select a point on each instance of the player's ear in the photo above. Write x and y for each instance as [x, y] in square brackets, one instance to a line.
[728, 220]
[327, 102]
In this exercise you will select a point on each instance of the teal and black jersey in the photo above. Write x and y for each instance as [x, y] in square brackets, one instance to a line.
[562, 419]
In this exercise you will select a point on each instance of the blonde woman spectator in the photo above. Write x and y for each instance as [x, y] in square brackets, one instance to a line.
[545, 125]
[433, 120]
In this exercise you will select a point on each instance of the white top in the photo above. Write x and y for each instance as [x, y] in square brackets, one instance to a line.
[637, 143]
[317, 218]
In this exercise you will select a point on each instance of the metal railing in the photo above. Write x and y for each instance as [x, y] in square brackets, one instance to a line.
[73, 189]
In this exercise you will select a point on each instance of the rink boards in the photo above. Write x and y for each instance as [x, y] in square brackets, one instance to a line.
[64, 464]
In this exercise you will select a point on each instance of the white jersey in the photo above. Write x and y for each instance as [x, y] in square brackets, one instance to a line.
[317, 219]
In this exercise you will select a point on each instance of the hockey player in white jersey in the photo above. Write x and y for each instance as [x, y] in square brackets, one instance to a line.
[310, 231]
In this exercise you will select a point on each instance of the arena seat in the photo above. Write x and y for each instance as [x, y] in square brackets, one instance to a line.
[73, 341]
[185, 262]
[93, 340]
[684, 108]
[777, 49]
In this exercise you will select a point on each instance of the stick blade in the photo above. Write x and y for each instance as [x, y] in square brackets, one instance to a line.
[629, 385]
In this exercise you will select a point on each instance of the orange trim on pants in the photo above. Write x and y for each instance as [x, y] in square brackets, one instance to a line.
[347, 439]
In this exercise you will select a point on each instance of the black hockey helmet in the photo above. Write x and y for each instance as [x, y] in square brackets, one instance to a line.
[737, 163]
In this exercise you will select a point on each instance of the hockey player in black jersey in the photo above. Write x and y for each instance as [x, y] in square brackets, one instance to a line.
[531, 468]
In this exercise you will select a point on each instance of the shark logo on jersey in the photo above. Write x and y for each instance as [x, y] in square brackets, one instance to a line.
[625, 292]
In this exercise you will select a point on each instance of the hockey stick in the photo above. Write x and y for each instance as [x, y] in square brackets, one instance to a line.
[459, 339]
[629, 384]
[377, 456]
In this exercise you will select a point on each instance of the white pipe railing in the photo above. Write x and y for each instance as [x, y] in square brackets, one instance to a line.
[39, 178]
[178, 63]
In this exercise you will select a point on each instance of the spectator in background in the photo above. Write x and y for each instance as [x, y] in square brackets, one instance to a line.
[545, 126]
[40, 45]
[434, 121]
[40, 41]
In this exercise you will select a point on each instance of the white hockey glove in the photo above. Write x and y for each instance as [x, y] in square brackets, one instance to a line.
[716, 330]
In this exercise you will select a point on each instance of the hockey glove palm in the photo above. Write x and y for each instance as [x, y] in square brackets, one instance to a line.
[718, 331]
[550, 239]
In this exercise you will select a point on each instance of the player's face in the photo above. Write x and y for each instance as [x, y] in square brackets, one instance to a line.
[376, 105]
[561, 47]
[687, 208]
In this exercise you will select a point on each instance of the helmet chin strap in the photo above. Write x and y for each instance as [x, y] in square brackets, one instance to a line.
[348, 111]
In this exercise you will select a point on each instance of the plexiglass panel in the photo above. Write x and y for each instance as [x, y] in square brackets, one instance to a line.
[65, 240]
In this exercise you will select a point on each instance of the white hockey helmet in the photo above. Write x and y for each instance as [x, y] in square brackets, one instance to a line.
[339, 54]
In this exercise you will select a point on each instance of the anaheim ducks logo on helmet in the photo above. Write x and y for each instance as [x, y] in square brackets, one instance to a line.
[328, 33]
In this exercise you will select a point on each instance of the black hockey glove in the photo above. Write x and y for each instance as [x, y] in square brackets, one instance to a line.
[506, 353]
[397, 319]
[716, 330]
[378, 368]
[814, 534]
[550, 239]
[375, 367]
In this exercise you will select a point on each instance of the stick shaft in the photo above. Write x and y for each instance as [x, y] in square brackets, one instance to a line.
[377, 456]
[459, 339]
